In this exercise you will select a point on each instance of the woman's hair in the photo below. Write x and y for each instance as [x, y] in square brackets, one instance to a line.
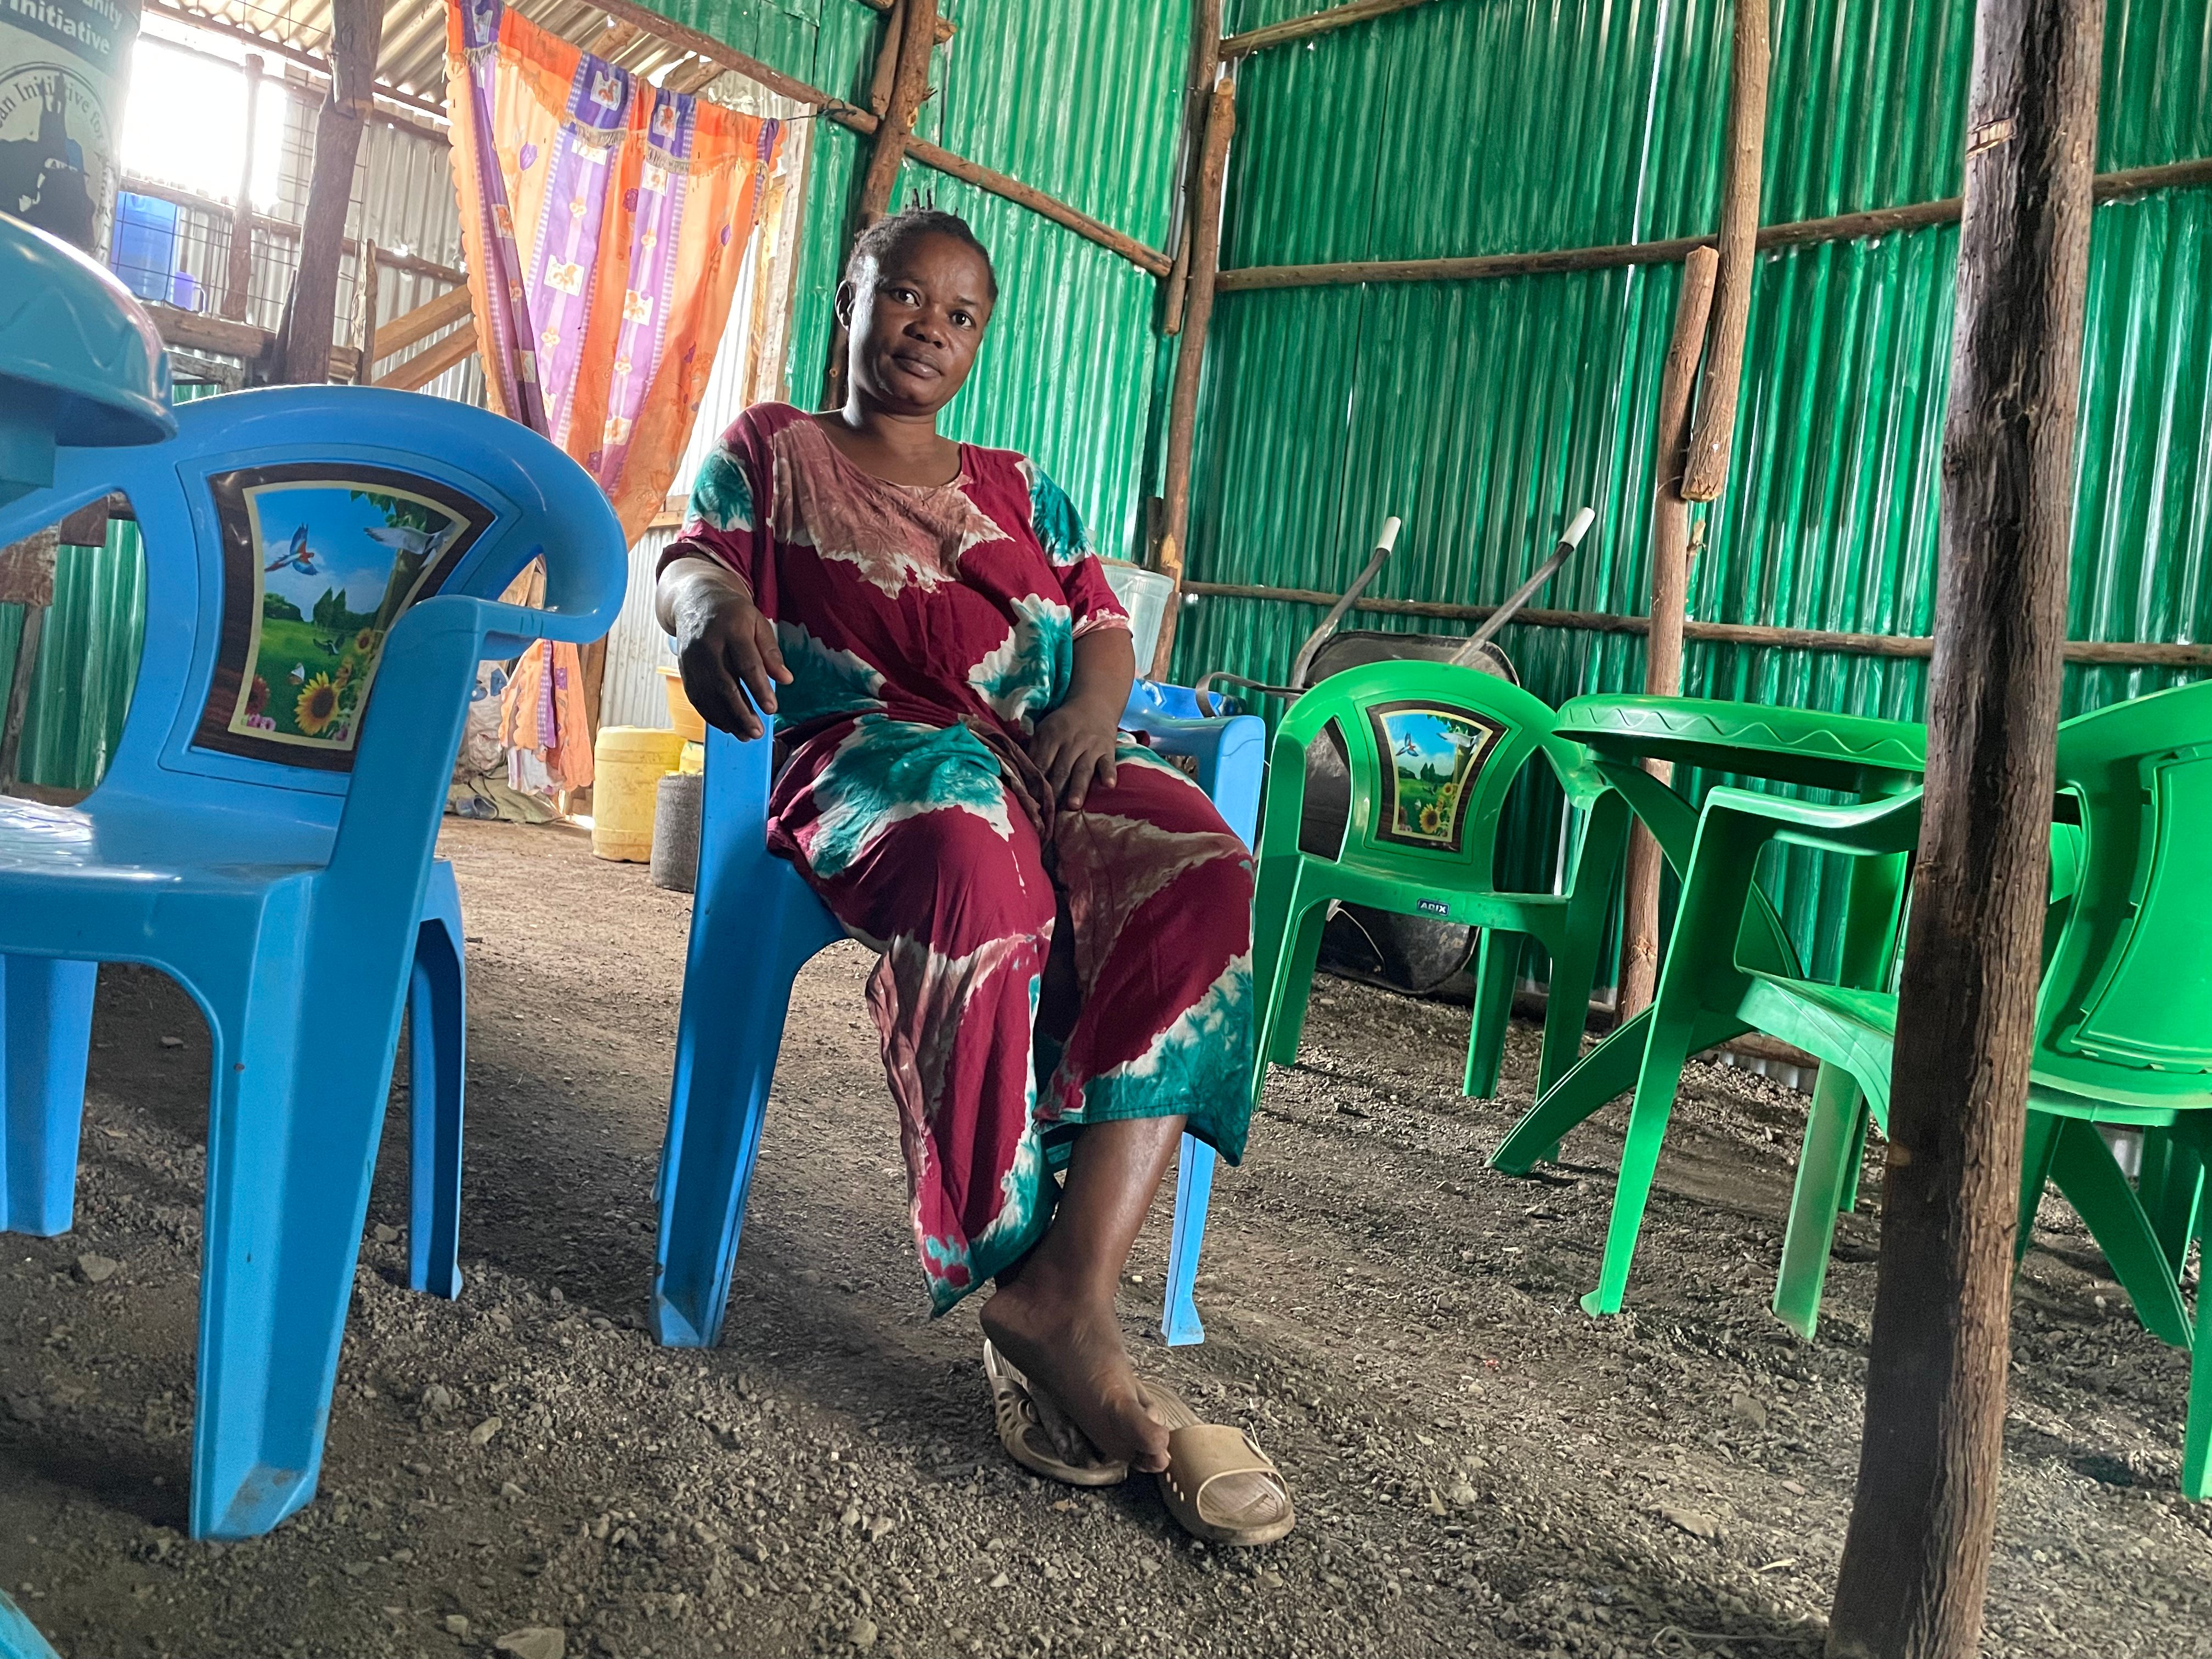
[889, 234]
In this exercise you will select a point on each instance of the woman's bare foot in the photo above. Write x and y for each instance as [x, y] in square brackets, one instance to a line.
[1064, 1339]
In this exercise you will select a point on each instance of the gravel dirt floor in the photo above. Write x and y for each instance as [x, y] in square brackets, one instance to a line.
[1481, 1469]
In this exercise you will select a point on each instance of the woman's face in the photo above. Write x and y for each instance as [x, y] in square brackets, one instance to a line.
[915, 326]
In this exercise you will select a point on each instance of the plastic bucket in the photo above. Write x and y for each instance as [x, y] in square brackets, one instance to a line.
[1144, 595]
[690, 725]
[629, 761]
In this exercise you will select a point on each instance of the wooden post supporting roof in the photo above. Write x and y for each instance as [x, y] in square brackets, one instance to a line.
[1197, 93]
[910, 36]
[238, 281]
[1670, 592]
[1707, 470]
[1915, 1561]
[1190, 357]
[311, 322]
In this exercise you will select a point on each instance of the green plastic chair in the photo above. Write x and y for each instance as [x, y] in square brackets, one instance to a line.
[1432, 751]
[2123, 1024]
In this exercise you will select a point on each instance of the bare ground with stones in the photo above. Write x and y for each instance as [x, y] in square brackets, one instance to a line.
[1481, 1469]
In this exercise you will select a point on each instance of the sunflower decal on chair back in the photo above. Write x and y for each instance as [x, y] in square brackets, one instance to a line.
[1429, 755]
[316, 569]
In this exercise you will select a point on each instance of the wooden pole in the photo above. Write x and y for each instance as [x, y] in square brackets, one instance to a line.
[1190, 356]
[909, 35]
[420, 323]
[1707, 468]
[310, 329]
[1764, 637]
[1799, 233]
[1915, 1560]
[367, 294]
[237, 286]
[1198, 91]
[426, 366]
[1670, 590]
[916, 26]
[1319, 22]
[887, 59]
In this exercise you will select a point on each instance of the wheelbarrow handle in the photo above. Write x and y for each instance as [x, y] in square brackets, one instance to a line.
[1323, 635]
[1529, 589]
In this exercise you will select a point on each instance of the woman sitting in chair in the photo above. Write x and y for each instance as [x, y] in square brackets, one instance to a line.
[1064, 918]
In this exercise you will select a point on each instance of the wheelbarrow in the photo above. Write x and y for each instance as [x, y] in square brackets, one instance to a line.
[1410, 954]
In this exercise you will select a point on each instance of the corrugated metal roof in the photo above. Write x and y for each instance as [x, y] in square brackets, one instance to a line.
[1485, 412]
[412, 54]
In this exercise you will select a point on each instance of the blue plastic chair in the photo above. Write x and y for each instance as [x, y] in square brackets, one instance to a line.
[295, 902]
[755, 923]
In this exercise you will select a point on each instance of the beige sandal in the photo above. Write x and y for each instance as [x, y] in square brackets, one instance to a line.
[1219, 1484]
[1037, 1435]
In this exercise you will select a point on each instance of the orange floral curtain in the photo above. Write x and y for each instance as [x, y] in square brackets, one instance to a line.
[606, 221]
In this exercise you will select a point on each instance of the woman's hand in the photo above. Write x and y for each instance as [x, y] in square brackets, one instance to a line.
[1073, 747]
[725, 647]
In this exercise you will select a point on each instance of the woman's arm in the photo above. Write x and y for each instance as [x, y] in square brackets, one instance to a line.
[723, 642]
[1073, 744]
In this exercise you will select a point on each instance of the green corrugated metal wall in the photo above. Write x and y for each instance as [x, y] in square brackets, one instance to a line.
[88, 661]
[1079, 99]
[88, 656]
[1485, 412]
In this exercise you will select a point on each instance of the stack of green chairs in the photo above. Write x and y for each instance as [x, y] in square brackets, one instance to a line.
[2124, 1025]
[1432, 750]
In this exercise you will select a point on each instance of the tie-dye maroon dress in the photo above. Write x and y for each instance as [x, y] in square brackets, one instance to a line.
[925, 630]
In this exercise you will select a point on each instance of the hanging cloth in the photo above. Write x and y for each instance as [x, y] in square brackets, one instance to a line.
[605, 220]
[543, 721]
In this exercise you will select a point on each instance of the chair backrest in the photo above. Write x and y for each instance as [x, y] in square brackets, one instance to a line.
[285, 531]
[2126, 1005]
[1432, 751]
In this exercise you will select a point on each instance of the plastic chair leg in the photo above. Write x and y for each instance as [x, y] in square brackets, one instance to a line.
[1847, 1196]
[1832, 1131]
[46, 1028]
[288, 1192]
[1294, 979]
[1607, 1072]
[2196, 1439]
[1566, 1008]
[437, 1023]
[736, 991]
[2037, 1146]
[1497, 962]
[2085, 1170]
[2171, 1188]
[1660, 1074]
[1179, 1323]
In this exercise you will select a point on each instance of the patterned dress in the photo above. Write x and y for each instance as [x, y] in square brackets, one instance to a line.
[925, 630]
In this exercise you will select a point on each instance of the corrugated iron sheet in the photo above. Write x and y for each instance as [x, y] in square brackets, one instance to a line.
[630, 694]
[1485, 412]
[88, 656]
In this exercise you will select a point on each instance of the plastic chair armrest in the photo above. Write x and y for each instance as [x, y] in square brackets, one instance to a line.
[511, 629]
[1862, 829]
